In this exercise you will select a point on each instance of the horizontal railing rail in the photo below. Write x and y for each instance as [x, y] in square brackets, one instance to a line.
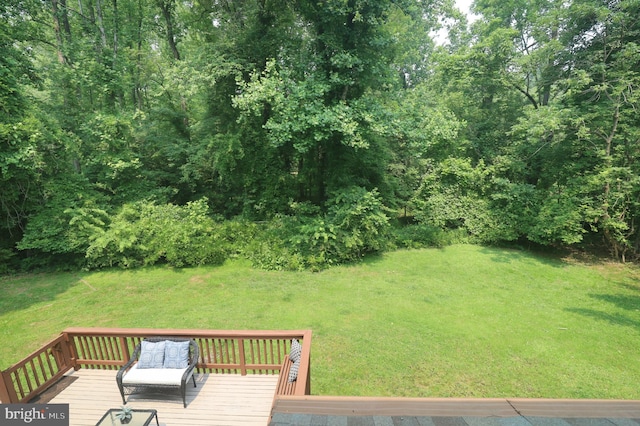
[221, 351]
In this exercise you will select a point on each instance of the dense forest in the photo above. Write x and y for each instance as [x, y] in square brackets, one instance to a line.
[305, 133]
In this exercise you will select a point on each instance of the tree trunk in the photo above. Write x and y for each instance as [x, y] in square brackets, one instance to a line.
[64, 17]
[137, 91]
[100, 22]
[166, 7]
[617, 248]
[56, 11]
[115, 32]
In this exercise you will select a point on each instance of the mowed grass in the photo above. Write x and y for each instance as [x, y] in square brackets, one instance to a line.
[463, 321]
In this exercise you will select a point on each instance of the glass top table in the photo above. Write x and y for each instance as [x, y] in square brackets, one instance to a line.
[138, 418]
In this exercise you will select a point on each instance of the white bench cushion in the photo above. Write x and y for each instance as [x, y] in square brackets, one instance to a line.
[153, 376]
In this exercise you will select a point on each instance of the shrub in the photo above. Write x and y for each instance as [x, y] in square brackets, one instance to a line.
[62, 227]
[7, 262]
[355, 224]
[360, 221]
[269, 248]
[453, 198]
[145, 234]
[234, 236]
[419, 236]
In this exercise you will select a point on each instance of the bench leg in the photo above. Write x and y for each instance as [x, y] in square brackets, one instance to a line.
[183, 389]
[124, 401]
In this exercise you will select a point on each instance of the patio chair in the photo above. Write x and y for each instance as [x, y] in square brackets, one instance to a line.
[160, 363]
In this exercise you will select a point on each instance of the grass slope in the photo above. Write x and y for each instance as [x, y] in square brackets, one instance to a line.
[461, 321]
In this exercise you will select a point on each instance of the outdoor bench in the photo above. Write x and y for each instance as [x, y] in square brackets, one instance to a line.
[159, 362]
[289, 370]
[285, 387]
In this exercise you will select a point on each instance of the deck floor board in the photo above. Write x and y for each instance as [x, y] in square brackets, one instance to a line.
[218, 399]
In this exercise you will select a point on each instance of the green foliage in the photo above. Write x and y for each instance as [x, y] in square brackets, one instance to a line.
[71, 215]
[269, 248]
[15, 68]
[453, 197]
[419, 133]
[560, 219]
[20, 167]
[31, 147]
[301, 119]
[7, 261]
[450, 210]
[145, 234]
[522, 126]
[360, 218]
[416, 236]
[113, 160]
[355, 225]
[514, 207]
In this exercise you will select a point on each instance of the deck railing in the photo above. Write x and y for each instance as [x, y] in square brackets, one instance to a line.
[229, 352]
[27, 378]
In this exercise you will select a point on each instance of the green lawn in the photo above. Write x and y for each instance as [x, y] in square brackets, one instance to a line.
[460, 321]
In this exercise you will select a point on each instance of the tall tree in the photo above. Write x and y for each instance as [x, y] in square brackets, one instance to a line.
[32, 146]
[603, 89]
[314, 102]
[578, 145]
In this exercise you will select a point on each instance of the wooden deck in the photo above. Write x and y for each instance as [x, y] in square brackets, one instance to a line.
[233, 399]
[218, 399]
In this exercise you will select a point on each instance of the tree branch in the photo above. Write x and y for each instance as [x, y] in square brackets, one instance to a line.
[524, 92]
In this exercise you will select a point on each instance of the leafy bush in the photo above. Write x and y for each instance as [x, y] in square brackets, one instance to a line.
[270, 249]
[65, 232]
[6, 261]
[360, 220]
[355, 224]
[469, 215]
[234, 236]
[453, 198]
[560, 219]
[145, 234]
[419, 236]
[59, 232]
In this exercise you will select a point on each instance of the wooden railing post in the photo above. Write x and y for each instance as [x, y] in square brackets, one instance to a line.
[71, 351]
[243, 362]
[7, 392]
[62, 353]
[124, 349]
